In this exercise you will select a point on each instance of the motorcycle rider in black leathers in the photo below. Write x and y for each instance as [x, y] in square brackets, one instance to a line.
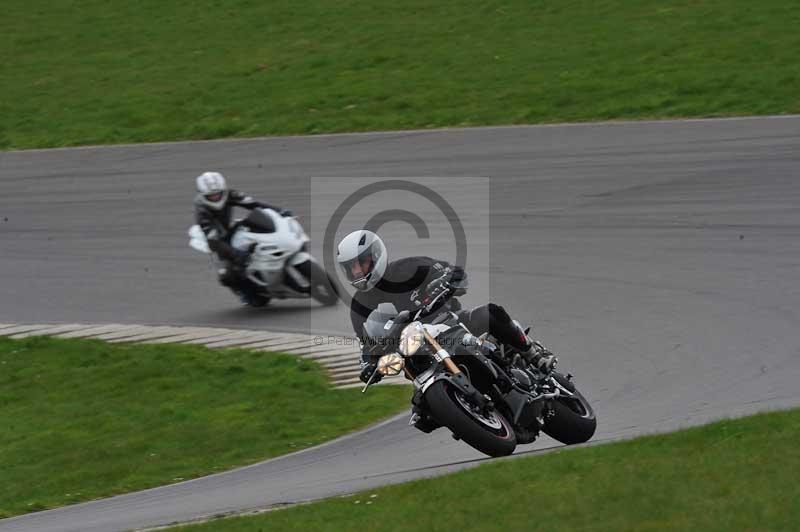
[213, 208]
[415, 282]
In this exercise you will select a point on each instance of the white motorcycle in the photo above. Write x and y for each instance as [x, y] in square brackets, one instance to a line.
[280, 265]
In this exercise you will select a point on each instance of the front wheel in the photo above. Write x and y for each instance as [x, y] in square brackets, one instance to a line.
[573, 419]
[489, 432]
[322, 288]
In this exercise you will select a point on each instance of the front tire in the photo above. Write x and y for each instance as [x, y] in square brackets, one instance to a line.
[322, 288]
[451, 412]
[573, 420]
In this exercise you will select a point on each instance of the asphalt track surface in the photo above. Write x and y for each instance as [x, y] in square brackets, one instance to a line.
[661, 260]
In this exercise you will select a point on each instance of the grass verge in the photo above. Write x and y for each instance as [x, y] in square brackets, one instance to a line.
[732, 475]
[110, 71]
[84, 419]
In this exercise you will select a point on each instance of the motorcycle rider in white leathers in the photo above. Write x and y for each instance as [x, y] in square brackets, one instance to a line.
[213, 209]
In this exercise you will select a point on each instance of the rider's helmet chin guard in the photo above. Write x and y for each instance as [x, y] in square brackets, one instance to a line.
[212, 189]
[362, 257]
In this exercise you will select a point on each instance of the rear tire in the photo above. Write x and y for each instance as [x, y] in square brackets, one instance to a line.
[573, 420]
[446, 409]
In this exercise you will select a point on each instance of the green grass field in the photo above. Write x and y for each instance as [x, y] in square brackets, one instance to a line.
[733, 475]
[91, 71]
[85, 419]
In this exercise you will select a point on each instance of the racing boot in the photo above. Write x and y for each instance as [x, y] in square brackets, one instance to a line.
[541, 358]
[535, 353]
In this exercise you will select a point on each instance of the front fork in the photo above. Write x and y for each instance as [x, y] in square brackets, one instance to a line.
[441, 354]
[454, 376]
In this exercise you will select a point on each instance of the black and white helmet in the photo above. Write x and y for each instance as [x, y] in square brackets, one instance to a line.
[362, 256]
[213, 190]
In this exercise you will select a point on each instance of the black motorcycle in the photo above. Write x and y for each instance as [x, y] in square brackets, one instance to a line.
[489, 397]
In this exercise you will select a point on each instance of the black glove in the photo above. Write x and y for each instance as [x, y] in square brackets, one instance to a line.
[436, 290]
[366, 372]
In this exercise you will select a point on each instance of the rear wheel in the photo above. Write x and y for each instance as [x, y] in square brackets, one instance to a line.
[489, 432]
[573, 420]
[258, 301]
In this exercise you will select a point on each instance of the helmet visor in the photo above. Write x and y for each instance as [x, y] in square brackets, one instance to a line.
[359, 269]
[214, 196]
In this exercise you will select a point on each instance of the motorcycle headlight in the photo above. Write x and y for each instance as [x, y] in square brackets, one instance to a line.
[411, 339]
[391, 364]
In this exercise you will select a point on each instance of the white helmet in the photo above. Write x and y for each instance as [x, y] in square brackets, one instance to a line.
[213, 189]
[362, 256]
